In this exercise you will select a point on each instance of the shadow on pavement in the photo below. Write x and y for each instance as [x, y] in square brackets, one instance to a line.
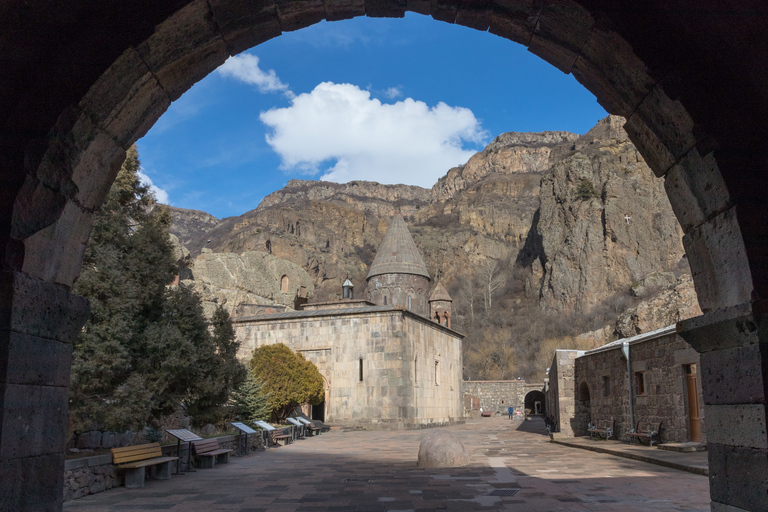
[532, 426]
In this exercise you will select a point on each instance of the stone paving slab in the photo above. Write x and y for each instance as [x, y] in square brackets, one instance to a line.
[376, 471]
[693, 462]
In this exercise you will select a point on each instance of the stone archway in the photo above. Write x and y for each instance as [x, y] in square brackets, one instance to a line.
[78, 89]
[535, 403]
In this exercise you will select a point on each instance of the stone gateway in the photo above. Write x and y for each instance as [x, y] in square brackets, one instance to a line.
[384, 362]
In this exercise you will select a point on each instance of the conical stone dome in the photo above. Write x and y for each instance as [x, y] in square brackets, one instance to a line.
[397, 253]
[440, 293]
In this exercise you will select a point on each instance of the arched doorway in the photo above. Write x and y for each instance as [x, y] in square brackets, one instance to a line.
[583, 414]
[320, 410]
[77, 91]
[535, 403]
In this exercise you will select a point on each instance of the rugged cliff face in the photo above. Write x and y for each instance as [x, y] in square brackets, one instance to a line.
[578, 226]
[604, 223]
[244, 280]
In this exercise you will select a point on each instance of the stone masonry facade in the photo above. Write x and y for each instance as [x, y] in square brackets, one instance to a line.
[397, 288]
[592, 386]
[497, 396]
[383, 367]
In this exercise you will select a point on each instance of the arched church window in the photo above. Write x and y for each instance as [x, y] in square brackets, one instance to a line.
[409, 303]
[385, 300]
[284, 284]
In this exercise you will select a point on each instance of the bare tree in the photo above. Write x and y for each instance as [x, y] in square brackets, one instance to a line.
[468, 295]
[492, 280]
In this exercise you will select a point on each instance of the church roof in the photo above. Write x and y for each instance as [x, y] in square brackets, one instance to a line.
[397, 253]
[440, 293]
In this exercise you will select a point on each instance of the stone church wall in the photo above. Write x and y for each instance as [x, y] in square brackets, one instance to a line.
[397, 288]
[397, 350]
[599, 389]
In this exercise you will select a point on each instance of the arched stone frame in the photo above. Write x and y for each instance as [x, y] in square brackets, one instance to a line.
[70, 131]
[583, 412]
[285, 284]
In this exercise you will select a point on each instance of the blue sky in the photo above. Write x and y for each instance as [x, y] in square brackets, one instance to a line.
[389, 100]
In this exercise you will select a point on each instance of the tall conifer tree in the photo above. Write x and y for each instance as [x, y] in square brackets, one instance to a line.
[146, 348]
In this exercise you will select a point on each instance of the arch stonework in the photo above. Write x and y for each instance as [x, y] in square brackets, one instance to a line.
[78, 90]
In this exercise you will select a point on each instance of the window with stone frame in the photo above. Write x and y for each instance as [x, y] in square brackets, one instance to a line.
[606, 385]
[640, 383]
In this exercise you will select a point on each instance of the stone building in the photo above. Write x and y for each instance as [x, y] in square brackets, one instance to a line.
[497, 396]
[385, 364]
[398, 275]
[591, 386]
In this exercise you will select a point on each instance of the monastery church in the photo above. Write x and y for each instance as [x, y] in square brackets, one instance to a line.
[391, 361]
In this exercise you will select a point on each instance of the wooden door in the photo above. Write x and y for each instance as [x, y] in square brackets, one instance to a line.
[694, 418]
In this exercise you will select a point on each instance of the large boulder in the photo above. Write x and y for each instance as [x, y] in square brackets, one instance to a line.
[441, 449]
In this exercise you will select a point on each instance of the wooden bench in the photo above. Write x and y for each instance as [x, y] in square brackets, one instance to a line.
[603, 428]
[299, 428]
[645, 430]
[273, 434]
[485, 414]
[210, 453]
[133, 459]
[310, 426]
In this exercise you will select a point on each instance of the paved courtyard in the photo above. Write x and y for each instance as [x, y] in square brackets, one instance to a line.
[376, 471]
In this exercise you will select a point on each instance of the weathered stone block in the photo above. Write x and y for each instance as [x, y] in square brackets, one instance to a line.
[177, 66]
[515, 21]
[561, 31]
[33, 483]
[738, 476]
[343, 9]
[696, 189]
[244, 25]
[37, 206]
[441, 449]
[298, 14]
[475, 15]
[34, 420]
[40, 309]
[719, 262]
[734, 375]
[126, 100]
[35, 361]
[385, 8]
[656, 154]
[741, 425]
[55, 253]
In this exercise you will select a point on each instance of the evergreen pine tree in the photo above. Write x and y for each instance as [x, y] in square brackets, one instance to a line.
[251, 401]
[146, 348]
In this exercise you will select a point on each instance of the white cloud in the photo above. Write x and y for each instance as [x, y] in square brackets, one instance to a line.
[245, 67]
[393, 92]
[160, 195]
[359, 138]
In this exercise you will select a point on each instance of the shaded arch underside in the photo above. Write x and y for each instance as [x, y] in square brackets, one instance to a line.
[80, 86]
[99, 119]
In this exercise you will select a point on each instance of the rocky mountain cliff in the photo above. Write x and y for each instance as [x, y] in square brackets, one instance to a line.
[573, 222]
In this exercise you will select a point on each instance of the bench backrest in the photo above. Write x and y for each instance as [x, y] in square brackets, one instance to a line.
[605, 423]
[136, 453]
[647, 426]
[206, 445]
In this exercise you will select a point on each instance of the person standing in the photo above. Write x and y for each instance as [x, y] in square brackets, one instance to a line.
[511, 410]
[518, 415]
